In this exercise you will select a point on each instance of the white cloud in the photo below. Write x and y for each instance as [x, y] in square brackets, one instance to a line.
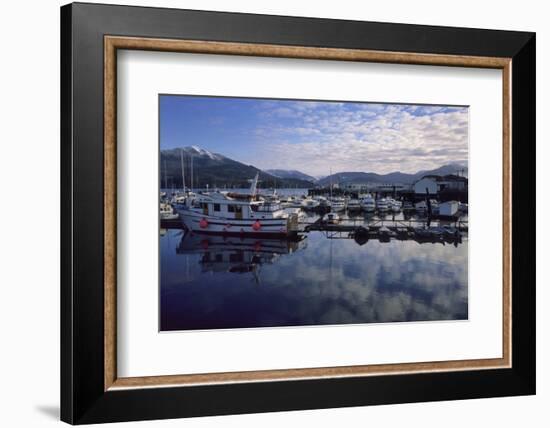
[313, 137]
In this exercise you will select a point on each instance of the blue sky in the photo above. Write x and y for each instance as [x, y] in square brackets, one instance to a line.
[315, 137]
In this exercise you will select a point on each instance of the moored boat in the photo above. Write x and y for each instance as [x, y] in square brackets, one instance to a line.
[309, 204]
[238, 214]
[396, 205]
[167, 212]
[337, 204]
[368, 203]
[382, 205]
[354, 204]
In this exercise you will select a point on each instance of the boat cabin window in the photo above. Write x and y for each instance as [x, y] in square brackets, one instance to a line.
[237, 209]
[216, 207]
[254, 208]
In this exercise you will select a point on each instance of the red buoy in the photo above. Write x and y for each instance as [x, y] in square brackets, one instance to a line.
[203, 223]
[256, 226]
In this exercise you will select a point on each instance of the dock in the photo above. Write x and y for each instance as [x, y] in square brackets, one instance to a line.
[361, 230]
[419, 230]
[351, 225]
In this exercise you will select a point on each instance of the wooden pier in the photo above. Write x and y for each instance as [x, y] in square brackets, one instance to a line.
[351, 225]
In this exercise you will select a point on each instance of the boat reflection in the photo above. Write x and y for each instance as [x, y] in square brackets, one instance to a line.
[219, 253]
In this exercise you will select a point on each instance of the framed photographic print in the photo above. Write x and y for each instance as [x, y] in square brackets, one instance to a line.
[266, 213]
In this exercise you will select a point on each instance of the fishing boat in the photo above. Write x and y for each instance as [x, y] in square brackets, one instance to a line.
[368, 203]
[354, 204]
[337, 204]
[324, 203]
[309, 204]
[382, 205]
[238, 214]
[167, 212]
[270, 197]
[292, 201]
[396, 205]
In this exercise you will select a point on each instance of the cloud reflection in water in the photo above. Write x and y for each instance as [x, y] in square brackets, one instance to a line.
[212, 282]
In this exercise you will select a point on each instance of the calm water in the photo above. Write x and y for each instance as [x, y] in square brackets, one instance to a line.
[214, 282]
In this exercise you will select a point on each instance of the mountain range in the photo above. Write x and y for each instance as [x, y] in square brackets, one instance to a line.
[220, 171]
[392, 177]
[291, 173]
[216, 170]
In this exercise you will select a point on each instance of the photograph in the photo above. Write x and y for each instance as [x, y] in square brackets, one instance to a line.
[286, 213]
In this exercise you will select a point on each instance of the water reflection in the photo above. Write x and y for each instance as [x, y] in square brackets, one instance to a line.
[235, 254]
[217, 282]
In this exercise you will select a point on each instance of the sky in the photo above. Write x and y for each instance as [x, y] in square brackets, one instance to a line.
[317, 137]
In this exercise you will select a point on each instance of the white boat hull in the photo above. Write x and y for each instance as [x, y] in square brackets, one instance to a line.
[200, 223]
[168, 216]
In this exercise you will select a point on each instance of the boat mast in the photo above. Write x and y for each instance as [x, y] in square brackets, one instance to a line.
[165, 184]
[331, 183]
[182, 170]
[191, 173]
[254, 184]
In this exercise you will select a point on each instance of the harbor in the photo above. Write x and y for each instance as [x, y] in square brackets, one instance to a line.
[288, 258]
[355, 216]
[285, 213]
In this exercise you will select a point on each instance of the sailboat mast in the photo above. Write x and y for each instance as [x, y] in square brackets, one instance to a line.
[182, 170]
[331, 184]
[191, 172]
[165, 184]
